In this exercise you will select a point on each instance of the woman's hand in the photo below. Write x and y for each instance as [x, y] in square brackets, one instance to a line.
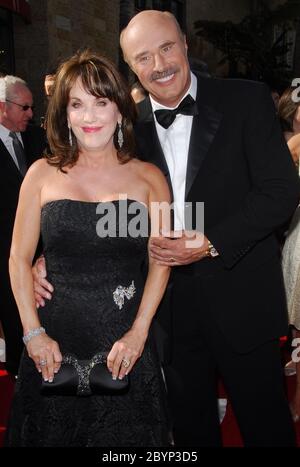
[46, 355]
[125, 352]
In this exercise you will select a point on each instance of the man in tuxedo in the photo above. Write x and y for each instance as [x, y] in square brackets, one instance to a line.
[221, 145]
[20, 145]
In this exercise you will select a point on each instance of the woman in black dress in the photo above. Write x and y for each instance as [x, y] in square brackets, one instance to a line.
[91, 200]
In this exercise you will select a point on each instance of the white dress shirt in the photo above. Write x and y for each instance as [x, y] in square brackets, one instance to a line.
[175, 142]
[8, 142]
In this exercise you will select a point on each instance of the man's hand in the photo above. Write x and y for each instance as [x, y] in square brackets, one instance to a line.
[42, 288]
[179, 248]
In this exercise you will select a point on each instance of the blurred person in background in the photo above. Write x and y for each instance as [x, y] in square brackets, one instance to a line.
[289, 113]
[20, 145]
[138, 93]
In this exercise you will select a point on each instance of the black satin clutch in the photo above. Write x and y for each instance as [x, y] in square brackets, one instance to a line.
[84, 378]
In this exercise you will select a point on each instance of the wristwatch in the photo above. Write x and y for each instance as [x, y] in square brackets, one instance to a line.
[211, 251]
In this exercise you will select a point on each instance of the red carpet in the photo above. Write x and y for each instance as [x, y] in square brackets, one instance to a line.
[230, 431]
[6, 391]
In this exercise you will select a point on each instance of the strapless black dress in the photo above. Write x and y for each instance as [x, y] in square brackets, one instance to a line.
[86, 315]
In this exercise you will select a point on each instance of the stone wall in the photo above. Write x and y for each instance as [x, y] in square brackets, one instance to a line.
[58, 29]
[92, 24]
[32, 52]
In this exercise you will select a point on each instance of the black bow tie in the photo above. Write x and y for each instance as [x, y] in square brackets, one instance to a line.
[166, 117]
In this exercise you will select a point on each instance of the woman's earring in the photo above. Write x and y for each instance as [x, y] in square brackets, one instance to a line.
[70, 136]
[120, 136]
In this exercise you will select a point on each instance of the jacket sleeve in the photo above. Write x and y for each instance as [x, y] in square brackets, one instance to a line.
[275, 188]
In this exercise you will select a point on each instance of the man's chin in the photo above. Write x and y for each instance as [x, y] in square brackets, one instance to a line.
[23, 128]
[168, 97]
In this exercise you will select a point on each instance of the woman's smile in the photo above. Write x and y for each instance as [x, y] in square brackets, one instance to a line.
[91, 129]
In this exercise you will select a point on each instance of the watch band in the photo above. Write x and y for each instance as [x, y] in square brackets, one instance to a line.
[211, 250]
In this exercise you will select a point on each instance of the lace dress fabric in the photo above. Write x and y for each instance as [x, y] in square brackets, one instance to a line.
[291, 269]
[84, 317]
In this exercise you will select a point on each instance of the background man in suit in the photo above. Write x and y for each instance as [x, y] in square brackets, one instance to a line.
[20, 145]
[222, 146]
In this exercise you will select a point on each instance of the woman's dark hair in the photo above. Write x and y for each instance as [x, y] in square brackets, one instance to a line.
[100, 78]
[287, 109]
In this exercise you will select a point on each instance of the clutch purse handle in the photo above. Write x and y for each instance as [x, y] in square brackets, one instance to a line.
[84, 370]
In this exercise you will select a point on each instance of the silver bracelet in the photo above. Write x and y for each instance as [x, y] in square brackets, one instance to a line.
[34, 332]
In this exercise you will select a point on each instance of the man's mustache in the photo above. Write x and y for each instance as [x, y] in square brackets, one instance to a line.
[163, 74]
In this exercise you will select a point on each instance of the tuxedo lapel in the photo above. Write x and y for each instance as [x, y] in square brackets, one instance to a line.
[157, 155]
[148, 139]
[27, 147]
[204, 129]
[7, 162]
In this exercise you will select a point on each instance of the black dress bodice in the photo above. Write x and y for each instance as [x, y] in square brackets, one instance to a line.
[98, 284]
[98, 281]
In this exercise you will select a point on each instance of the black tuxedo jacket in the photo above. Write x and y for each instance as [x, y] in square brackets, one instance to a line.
[240, 167]
[34, 141]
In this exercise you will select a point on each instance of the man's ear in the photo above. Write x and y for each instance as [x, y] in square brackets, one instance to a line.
[128, 63]
[185, 43]
[2, 108]
[125, 57]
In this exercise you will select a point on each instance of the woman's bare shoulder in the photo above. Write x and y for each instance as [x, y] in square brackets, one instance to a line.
[41, 167]
[294, 142]
[294, 147]
[155, 179]
[40, 170]
[147, 169]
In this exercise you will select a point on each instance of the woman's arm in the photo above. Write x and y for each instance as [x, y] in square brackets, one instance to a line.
[24, 242]
[131, 345]
[294, 147]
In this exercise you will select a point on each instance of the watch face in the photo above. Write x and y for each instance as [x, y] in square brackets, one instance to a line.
[213, 252]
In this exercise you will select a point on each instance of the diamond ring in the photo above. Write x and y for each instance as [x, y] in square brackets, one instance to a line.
[125, 363]
[43, 362]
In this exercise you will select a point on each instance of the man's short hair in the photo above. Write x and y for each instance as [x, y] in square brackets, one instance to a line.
[6, 83]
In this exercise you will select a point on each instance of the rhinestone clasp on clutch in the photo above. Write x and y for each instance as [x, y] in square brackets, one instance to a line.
[83, 371]
[122, 292]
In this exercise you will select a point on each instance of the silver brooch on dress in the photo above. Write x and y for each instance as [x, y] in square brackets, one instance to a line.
[122, 292]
